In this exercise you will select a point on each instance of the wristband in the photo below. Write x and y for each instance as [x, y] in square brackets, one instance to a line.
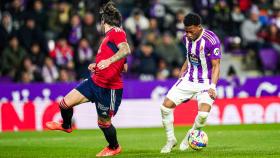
[213, 86]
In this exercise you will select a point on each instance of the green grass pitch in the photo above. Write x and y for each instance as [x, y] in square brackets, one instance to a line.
[236, 141]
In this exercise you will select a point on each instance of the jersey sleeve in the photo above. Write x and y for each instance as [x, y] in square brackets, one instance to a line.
[118, 36]
[215, 50]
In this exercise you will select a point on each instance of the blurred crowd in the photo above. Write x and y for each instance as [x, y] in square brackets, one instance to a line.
[55, 40]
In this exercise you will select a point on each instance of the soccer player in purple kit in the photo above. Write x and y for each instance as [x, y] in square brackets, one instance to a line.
[198, 78]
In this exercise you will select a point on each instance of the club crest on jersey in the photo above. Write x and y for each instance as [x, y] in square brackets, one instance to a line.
[216, 51]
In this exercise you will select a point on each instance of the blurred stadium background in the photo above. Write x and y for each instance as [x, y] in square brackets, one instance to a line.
[46, 46]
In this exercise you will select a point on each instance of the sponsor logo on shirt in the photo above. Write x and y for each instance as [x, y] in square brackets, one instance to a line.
[194, 59]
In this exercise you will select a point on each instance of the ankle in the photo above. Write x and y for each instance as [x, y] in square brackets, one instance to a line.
[66, 126]
[171, 139]
[113, 147]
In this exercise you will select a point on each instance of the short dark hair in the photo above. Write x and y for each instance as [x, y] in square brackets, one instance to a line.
[111, 15]
[192, 19]
[136, 11]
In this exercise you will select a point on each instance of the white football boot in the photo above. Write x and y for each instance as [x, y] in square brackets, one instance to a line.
[184, 144]
[168, 146]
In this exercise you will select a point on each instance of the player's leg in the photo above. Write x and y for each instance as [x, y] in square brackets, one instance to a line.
[175, 96]
[76, 96]
[167, 110]
[204, 107]
[105, 112]
[202, 115]
[205, 103]
[110, 134]
[73, 98]
[109, 131]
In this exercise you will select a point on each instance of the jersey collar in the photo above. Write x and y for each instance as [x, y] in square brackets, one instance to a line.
[202, 32]
[109, 30]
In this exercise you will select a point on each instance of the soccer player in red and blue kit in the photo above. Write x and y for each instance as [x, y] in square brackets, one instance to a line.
[104, 88]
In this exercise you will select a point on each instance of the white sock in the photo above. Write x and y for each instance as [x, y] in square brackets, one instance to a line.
[200, 120]
[167, 121]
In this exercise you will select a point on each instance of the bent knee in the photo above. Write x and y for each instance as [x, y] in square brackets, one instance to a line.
[104, 122]
[64, 105]
[168, 103]
[165, 110]
[203, 115]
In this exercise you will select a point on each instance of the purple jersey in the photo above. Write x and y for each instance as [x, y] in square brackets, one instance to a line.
[199, 55]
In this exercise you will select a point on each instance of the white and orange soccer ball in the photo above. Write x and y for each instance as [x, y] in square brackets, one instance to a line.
[197, 139]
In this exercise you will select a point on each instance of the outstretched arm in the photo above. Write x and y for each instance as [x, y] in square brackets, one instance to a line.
[124, 51]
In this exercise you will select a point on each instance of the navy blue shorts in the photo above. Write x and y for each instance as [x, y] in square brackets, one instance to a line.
[107, 101]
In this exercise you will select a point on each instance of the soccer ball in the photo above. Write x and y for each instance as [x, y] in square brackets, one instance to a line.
[197, 139]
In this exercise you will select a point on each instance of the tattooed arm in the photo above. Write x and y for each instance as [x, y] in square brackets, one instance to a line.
[124, 51]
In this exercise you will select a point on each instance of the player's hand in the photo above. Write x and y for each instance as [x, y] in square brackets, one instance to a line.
[103, 64]
[92, 67]
[212, 93]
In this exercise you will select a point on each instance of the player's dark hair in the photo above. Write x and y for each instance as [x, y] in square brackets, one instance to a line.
[192, 19]
[111, 15]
